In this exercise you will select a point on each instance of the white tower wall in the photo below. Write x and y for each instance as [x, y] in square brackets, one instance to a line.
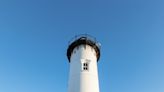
[81, 80]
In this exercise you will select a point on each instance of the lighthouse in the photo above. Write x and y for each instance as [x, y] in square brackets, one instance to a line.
[83, 54]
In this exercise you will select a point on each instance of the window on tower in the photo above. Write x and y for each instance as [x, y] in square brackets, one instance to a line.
[85, 66]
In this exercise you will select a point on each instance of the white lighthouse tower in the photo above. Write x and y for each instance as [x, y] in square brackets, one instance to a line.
[83, 54]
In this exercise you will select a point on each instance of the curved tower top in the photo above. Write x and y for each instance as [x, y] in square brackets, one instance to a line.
[83, 40]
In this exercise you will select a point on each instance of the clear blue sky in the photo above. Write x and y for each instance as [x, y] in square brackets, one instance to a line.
[34, 36]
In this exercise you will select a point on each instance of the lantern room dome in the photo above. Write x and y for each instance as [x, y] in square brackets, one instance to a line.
[83, 40]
